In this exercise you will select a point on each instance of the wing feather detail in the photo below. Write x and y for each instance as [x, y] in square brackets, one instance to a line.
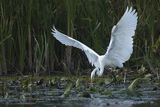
[66, 40]
[121, 44]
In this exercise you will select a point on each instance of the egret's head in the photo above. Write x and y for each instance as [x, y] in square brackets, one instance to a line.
[99, 73]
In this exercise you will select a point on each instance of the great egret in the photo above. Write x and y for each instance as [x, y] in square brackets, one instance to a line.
[120, 47]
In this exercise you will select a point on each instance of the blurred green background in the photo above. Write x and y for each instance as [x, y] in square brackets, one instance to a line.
[27, 46]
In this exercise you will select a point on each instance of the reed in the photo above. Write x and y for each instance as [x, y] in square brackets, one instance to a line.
[27, 46]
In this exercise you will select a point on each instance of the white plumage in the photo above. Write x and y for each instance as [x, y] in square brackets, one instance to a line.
[120, 47]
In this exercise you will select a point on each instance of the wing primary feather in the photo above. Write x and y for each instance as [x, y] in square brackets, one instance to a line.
[121, 44]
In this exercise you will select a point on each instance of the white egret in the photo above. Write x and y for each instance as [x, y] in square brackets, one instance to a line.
[120, 47]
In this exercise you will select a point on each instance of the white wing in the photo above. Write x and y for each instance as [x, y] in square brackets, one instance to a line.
[64, 39]
[121, 43]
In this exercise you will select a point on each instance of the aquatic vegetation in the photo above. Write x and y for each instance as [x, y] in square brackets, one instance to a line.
[67, 90]
[135, 83]
[26, 89]
[78, 83]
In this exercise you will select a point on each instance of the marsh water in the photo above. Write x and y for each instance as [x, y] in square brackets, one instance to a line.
[74, 92]
[87, 103]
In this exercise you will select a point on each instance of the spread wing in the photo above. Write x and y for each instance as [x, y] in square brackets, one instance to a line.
[64, 39]
[121, 44]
